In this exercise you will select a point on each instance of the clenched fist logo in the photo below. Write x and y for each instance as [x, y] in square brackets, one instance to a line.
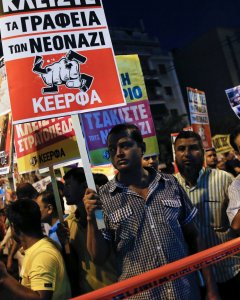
[65, 71]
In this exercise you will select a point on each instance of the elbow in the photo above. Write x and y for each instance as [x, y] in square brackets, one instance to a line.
[235, 226]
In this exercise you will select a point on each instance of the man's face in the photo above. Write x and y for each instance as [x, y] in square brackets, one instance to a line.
[150, 161]
[73, 191]
[125, 153]
[45, 209]
[189, 155]
[211, 159]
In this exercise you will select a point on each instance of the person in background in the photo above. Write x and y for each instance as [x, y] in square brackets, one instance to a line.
[233, 209]
[49, 213]
[24, 191]
[43, 275]
[208, 190]
[232, 164]
[211, 158]
[90, 275]
[150, 161]
[149, 219]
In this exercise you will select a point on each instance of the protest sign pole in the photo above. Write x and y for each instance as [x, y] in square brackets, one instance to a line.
[58, 203]
[86, 165]
[62, 172]
[83, 152]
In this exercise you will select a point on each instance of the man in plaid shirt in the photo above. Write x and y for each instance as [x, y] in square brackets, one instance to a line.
[149, 219]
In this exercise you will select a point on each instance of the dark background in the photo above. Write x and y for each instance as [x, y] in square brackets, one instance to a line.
[174, 22]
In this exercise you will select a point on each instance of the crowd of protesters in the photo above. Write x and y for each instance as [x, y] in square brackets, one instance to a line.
[152, 217]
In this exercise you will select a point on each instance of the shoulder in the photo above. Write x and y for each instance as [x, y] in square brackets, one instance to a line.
[220, 174]
[236, 183]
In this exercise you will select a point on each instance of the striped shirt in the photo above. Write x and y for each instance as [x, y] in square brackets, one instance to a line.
[210, 196]
[234, 199]
[148, 233]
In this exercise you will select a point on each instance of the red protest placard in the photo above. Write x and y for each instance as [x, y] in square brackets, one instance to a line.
[59, 58]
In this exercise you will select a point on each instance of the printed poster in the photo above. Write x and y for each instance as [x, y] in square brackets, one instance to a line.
[199, 115]
[59, 58]
[5, 143]
[96, 125]
[4, 94]
[233, 95]
[45, 143]
[221, 142]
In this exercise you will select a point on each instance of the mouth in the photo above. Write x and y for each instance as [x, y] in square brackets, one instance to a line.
[122, 162]
[187, 162]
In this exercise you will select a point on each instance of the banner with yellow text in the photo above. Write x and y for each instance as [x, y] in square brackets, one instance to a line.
[45, 143]
[96, 125]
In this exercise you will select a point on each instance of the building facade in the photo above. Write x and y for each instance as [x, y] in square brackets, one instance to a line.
[161, 81]
[212, 63]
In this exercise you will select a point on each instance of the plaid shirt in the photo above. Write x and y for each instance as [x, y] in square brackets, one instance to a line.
[148, 234]
[210, 196]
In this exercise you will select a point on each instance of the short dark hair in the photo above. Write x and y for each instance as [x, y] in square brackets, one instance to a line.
[25, 216]
[77, 174]
[48, 198]
[100, 179]
[26, 191]
[233, 137]
[60, 184]
[187, 135]
[133, 131]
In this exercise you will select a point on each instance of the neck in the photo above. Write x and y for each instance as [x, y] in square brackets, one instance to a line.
[190, 177]
[140, 178]
[27, 241]
[54, 220]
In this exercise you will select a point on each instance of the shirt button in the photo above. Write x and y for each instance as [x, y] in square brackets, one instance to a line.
[158, 248]
[152, 226]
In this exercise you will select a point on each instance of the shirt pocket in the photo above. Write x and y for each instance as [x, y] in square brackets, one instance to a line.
[124, 223]
[214, 214]
[172, 208]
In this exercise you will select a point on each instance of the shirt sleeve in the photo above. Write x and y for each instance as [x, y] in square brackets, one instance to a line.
[189, 211]
[234, 200]
[43, 273]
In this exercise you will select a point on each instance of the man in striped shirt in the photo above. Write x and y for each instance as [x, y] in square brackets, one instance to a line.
[208, 190]
[233, 210]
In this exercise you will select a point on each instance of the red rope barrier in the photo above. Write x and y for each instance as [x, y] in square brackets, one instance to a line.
[161, 275]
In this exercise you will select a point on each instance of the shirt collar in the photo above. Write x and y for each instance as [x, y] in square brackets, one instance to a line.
[54, 227]
[115, 184]
[183, 181]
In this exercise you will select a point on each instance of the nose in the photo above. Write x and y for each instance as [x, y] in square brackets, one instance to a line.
[187, 152]
[119, 152]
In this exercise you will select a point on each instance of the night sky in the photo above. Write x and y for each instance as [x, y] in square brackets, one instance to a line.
[174, 22]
